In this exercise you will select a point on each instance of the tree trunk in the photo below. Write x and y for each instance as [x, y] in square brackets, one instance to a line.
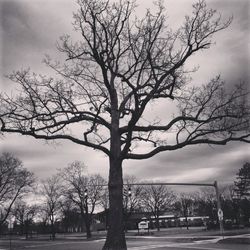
[53, 234]
[115, 236]
[22, 228]
[157, 224]
[87, 225]
[157, 216]
[26, 230]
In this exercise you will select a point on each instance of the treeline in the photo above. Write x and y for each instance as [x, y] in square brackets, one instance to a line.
[74, 201]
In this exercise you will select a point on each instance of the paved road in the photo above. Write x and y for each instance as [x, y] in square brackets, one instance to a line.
[133, 243]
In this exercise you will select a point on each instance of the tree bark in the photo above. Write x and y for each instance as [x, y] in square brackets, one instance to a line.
[115, 239]
[87, 225]
[115, 236]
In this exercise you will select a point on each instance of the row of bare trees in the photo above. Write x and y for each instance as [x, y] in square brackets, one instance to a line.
[70, 191]
[72, 196]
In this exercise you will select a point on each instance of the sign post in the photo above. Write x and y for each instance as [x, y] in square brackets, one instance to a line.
[220, 212]
[220, 215]
[144, 225]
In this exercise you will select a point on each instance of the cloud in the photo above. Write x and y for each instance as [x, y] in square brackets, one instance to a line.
[29, 30]
[201, 163]
[44, 158]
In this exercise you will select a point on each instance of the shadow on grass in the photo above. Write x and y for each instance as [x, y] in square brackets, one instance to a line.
[235, 241]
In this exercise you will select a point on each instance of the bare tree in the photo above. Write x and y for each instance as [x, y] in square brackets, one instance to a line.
[84, 190]
[121, 66]
[24, 214]
[157, 199]
[131, 197]
[185, 203]
[104, 203]
[70, 215]
[51, 191]
[15, 182]
[206, 203]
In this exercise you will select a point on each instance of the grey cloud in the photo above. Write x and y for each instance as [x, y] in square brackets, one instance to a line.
[44, 158]
[235, 39]
[30, 29]
[219, 163]
[19, 35]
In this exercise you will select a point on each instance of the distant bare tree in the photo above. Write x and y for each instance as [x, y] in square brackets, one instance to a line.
[185, 204]
[206, 203]
[15, 182]
[131, 196]
[84, 190]
[104, 203]
[24, 215]
[121, 66]
[157, 199]
[51, 190]
[70, 216]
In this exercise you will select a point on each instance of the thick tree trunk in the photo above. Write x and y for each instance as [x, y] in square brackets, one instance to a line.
[115, 236]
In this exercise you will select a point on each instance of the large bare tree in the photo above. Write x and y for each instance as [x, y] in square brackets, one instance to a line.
[121, 65]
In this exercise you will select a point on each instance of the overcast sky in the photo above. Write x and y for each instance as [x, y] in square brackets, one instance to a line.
[29, 29]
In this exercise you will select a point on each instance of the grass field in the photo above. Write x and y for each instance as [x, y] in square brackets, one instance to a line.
[79, 241]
